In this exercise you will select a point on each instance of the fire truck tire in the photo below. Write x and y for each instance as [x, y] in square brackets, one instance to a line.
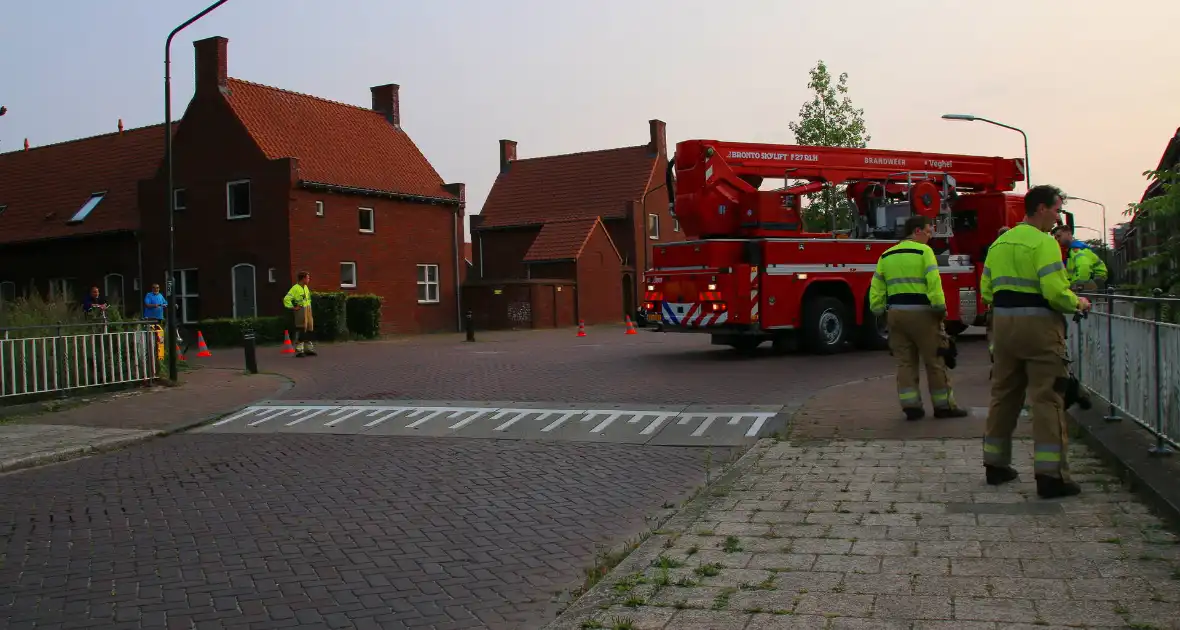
[826, 324]
[872, 334]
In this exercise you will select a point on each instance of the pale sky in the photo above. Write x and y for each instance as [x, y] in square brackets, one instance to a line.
[1092, 82]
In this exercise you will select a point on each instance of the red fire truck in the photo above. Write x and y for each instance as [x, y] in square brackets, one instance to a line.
[751, 273]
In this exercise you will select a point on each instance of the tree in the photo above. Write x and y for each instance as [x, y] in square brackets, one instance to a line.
[1159, 217]
[829, 119]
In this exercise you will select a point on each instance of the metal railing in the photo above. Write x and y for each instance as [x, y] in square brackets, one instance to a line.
[1126, 353]
[59, 358]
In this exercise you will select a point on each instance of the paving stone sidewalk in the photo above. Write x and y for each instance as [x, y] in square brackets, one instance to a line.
[101, 422]
[901, 534]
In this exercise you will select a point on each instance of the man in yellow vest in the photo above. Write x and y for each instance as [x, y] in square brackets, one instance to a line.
[298, 302]
[907, 286]
[1025, 282]
[1083, 265]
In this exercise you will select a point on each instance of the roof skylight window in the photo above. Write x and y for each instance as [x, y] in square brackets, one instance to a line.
[87, 208]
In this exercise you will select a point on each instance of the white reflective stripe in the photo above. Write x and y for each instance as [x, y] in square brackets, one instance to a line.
[931, 268]
[920, 281]
[1050, 268]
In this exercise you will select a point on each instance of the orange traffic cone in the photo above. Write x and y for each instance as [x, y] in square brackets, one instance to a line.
[581, 328]
[287, 347]
[631, 327]
[202, 349]
[179, 354]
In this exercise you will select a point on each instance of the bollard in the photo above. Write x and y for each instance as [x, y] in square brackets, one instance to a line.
[249, 348]
[469, 323]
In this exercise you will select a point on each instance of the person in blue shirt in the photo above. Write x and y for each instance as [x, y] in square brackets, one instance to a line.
[153, 304]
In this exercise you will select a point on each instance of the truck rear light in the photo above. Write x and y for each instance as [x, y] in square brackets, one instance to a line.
[651, 287]
[711, 287]
[718, 307]
[649, 306]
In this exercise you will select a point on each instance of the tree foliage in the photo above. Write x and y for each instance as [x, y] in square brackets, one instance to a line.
[829, 119]
[1158, 219]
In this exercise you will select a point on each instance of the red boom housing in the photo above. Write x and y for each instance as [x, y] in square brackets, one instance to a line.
[751, 271]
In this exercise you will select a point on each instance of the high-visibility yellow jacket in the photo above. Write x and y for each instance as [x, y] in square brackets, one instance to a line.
[907, 277]
[299, 295]
[1083, 265]
[1024, 270]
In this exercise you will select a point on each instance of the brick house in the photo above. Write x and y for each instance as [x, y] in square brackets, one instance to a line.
[1131, 241]
[269, 182]
[69, 218]
[582, 223]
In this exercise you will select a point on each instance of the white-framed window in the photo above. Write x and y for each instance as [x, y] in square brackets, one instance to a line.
[319, 208]
[87, 207]
[367, 220]
[179, 199]
[237, 199]
[7, 293]
[347, 275]
[61, 289]
[245, 294]
[675, 224]
[112, 288]
[185, 293]
[653, 226]
[427, 284]
[271, 276]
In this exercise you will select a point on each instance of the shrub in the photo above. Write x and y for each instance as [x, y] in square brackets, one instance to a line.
[329, 311]
[228, 332]
[34, 311]
[364, 315]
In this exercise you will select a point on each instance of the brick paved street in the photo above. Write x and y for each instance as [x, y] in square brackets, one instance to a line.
[544, 365]
[899, 534]
[312, 531]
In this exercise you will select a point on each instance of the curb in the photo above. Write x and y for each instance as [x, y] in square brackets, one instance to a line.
[1124, 446]
[593, 601]
[77, 452]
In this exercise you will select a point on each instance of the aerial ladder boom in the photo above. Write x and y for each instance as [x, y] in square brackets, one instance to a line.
[716, 185]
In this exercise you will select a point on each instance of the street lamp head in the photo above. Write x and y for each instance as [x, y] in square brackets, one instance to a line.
[967, 117]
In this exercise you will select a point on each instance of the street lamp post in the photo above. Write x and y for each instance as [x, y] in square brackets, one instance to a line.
[1103, 206]
[972, 118]
[170, 335]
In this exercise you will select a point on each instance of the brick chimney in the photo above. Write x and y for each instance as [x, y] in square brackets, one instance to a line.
[507, 154]
[658, 142]
[385, 102]
[212, 68]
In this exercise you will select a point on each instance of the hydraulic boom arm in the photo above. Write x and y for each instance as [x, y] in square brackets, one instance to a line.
[717, 183]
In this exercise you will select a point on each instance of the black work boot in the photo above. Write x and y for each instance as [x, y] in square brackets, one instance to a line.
[914, 413]
[1056, 487]
[953, 412]
[999, 475]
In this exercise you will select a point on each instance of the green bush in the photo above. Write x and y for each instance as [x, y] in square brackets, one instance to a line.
[364, 315]
[30, 313]
[228, 332]
[329, 311]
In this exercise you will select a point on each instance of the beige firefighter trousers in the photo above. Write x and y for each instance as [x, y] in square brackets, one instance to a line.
[1029, 356]
[916, 335]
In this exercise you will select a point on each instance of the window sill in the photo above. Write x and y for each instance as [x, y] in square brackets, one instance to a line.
[367, 231]
[348, 286]
[428, 302]
[229, 218]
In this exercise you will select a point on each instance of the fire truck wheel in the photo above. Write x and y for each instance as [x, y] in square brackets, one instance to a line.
[873, 334]
[825, 324]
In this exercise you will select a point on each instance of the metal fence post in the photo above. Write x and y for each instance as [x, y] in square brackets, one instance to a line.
[59, 345]
[1112, 415]
[1161, 448]
[470, 322]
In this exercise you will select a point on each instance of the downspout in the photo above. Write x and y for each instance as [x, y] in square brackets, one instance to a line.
[481, 254]
[458, 276]
[139, 257]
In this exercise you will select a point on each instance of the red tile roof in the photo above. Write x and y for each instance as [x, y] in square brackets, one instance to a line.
[561, 240]
[42, 188]
[336, 143]
[574, 186]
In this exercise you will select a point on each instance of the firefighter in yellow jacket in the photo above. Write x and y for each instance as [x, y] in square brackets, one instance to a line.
[907, 286]
[298, 302]
[1025, 282]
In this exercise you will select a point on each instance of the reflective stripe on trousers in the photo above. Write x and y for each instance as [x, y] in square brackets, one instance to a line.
[997, 451]
[1047, 458]
[909, 397]
[942, 398]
